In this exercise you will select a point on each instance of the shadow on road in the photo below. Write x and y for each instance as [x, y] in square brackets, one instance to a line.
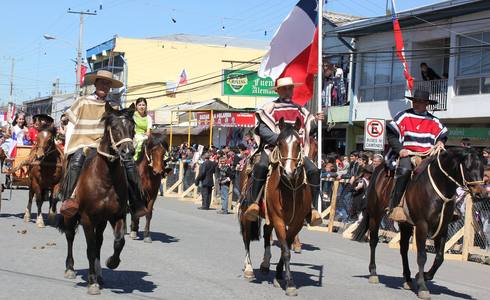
[306, 247]
[393, 282]
[163, 238]
[8, 215]
[313, 277]
[122, 282]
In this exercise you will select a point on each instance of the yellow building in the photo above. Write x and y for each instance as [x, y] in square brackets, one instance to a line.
[152, 67]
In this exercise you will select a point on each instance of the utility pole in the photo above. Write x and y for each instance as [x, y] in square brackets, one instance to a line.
[11, 94]
[80, 41]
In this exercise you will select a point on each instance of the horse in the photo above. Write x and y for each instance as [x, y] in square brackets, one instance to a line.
[45, 173]
[429, 203]
[102, 193]
[287, 203]
[151, 168]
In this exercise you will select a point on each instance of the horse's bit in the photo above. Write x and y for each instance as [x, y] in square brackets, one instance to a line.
[114, 146]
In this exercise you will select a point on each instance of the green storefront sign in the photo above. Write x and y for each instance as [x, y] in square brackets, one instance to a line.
[480, 133]
[246, 83]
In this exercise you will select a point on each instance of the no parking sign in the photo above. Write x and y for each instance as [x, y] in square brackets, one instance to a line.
[374, 134]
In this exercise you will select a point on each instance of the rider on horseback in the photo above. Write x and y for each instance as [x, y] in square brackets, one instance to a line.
[267, 132]
[85, 130]
[412, 130]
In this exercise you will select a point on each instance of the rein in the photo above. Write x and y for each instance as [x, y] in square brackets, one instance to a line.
[114, 146]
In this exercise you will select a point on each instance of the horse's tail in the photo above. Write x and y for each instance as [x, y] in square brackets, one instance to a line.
[363, 226]
[250, 229]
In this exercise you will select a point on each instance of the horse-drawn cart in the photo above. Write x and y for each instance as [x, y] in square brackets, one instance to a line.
[16, 170]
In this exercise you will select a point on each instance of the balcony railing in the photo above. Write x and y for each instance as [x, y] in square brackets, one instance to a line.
[437, 90]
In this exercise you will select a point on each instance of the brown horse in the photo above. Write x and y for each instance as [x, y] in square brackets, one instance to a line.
[151, 167]
[429, 199]
[287, 203]
[102, 193]
[45, 173]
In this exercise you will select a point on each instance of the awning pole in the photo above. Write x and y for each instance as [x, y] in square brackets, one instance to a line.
[319, 93]
[171, 129]
[189, 130]
[211, 117]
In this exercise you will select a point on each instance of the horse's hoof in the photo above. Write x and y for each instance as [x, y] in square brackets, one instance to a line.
[93, 289]
[248, 274]
[291, 291]
[70, 274]
[425, 295]
[112, 262]
[27, 217]
[40, 222]
[133, 235]
[276, 283]
[407, 285]
[374, 279]
[264, 270]
[147, 239]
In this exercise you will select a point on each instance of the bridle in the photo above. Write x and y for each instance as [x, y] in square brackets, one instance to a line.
[114, 145]
[50, 149]
[149, 158]
[277, 160]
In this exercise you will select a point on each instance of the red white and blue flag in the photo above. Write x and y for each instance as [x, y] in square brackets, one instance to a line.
[400, 47]
[294, 50]
[183, 77]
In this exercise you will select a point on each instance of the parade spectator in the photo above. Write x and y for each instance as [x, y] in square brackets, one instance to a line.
[359, 199]
[377, 160]
[465, 143]
[486, 156]
[205, 177]
[427, 73]
[225, 176]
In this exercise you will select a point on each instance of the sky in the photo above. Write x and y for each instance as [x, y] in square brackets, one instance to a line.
[39, 62]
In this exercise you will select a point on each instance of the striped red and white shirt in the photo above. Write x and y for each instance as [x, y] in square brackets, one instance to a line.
[417, 132]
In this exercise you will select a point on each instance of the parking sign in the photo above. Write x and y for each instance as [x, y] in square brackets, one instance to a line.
[374, 134]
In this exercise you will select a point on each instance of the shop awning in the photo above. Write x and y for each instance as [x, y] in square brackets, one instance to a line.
[226, 119]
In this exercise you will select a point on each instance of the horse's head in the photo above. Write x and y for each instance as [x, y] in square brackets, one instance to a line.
[289, 148]
[119, 131]
[156, 148]
[45, 142]
[471, 170]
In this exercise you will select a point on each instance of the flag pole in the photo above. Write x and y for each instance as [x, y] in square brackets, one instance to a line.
[319, 92]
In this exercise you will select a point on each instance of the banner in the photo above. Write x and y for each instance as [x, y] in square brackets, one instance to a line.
[246, 83]
[226, 119]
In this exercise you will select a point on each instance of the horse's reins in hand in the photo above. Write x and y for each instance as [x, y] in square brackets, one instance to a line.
[114, 146]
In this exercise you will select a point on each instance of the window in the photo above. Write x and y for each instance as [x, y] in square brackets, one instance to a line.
[473, 76]
[381, 77]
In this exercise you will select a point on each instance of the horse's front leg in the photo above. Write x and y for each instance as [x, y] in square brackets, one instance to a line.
[421, 237]
[373, 243]
[266, 262]
[248, 272]
[70, 226]
[27, 213]
[90, 238]
[118, 228]
[99, 239]
[135, 223]
[52, 208]
[406, 231]
[40, 197]
[146, 234]
[440, 243]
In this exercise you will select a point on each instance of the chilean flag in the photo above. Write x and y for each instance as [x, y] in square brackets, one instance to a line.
[294, 50]
[400, 47]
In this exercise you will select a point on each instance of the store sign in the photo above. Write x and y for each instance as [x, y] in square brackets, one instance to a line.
[479, 133]
[246, 83]
[226, 119]
[374, 134]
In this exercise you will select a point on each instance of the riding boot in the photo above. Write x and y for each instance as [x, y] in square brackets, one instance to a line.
[137, 202]
[259, 177]
[313, 174]
[69, 207]
[402, 177]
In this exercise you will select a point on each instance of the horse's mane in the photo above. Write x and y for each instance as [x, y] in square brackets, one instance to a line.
[288, 130]
[155, 139]
[110, 116]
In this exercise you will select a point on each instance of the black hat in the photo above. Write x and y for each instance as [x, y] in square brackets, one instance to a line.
[422, 96]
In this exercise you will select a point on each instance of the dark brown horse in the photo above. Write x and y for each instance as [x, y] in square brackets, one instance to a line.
[287, 203]
[429, 199]
[151, 168]
[45, 173]
[102, 193]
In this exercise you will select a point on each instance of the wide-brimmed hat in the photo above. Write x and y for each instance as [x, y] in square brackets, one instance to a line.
[285, 81]
[102, 74]
[422, 96]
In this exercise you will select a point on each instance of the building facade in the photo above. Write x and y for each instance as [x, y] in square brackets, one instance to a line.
[452, 38]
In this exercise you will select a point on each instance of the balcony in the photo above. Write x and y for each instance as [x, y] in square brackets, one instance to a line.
[437, 90]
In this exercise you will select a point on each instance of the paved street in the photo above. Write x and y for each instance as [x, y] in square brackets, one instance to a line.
[199, 255]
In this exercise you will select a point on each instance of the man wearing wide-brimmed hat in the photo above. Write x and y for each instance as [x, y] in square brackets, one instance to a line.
[412, 130]
[267, 132]
[85, 130]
